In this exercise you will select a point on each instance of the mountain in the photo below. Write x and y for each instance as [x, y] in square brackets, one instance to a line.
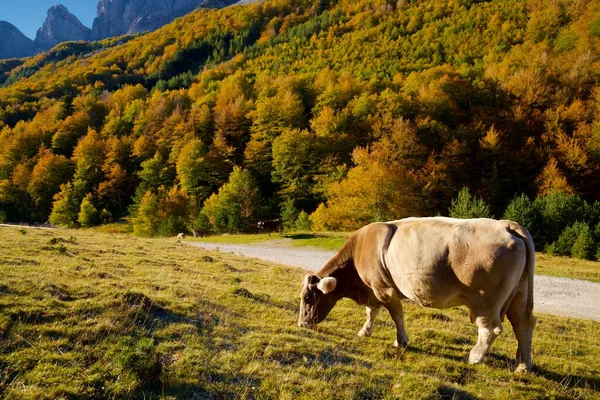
[13, 43]
[115, 18]
[60, 26]
[119, 17]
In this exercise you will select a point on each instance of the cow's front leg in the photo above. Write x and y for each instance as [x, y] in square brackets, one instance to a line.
[397, 314]
[367, 328]
[489, 329]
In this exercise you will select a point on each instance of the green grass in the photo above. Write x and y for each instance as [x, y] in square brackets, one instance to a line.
[567, 267]
[545, 263]
[94, 315]
[324, 241]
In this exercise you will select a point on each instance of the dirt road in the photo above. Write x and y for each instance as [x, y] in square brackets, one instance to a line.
[558, 296]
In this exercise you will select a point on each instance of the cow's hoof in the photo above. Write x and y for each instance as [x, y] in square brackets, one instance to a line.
[363, 333]
[402, 345]
[522, 368]
[474, 358]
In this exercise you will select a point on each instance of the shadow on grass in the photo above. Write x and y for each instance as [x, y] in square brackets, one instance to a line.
[567, 380]
[417, 350]
[302, 236]
[449, 392]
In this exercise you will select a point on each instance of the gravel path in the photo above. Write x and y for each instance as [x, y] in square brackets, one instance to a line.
[558, 296]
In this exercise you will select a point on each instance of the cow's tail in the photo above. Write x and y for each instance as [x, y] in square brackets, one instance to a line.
[524, 234]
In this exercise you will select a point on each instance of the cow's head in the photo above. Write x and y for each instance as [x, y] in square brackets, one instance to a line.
[261, 225]
[316, 300]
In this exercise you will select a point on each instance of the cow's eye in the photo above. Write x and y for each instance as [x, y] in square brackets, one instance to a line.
[307, 298]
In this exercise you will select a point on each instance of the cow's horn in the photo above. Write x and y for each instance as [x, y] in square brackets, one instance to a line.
[327, 285]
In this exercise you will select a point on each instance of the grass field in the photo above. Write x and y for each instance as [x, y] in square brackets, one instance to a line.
[94, 315]
[545, 263]
[325, 241]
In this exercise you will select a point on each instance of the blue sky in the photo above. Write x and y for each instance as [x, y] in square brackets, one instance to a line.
[29, 15]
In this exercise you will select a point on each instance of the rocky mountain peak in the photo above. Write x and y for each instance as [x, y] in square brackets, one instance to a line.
[119, 17]
[60, 26]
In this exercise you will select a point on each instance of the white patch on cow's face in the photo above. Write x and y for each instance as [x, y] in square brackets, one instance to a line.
[327, 285]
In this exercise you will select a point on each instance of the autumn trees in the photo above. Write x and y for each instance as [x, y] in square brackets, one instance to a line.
[335, 114]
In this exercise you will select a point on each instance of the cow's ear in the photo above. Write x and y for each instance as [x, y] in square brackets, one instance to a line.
[327, 285]
[311, 279]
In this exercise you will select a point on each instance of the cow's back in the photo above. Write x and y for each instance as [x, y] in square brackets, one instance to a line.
[439, 262]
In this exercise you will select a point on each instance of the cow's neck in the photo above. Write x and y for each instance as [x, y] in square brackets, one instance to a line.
[342, 268]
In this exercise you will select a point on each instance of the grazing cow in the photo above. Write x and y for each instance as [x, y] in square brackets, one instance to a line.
[180, 236]
[484, 264]
[275, 225]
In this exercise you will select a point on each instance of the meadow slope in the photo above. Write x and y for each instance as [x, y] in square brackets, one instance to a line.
[92, 315]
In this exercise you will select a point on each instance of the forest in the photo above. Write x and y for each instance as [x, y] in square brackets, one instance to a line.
[332, 114]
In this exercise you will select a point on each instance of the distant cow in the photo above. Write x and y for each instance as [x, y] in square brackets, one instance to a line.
[484, 264]
[275, 225]
[196, 233]
[180, 236]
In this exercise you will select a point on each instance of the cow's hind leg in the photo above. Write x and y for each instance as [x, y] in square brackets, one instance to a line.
[394, 306]
[489, 329]
[367, 328]
[522, 324]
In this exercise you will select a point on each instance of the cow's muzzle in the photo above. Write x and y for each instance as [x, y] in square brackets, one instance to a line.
[304, 324]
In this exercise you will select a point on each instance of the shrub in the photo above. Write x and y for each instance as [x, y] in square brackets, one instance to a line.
[522, 211]
[465, 205]
[303, 222]
[576, 240]
[557, 211]
[88, 214]
[584, 246]
[202, 223]
[289, 214]
[172, 225]
[105, 216]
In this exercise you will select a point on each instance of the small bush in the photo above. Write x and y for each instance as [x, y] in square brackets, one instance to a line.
[289, 214]
[522, 211]
[202, 223]
[584, 246]
[88, 214]
[557, 211]
[465, 205]
[303, 222]
[172, 225]
[576, 240]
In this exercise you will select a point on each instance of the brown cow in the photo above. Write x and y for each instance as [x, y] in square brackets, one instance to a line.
[275, 225]
[484, 264]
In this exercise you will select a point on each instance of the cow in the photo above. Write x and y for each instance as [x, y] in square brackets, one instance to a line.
[275, 225]
[180, 236]
[196, 233]
[483, 264]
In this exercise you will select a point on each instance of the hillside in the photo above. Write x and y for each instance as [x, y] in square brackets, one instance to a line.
[90, 315]
[361, 111]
